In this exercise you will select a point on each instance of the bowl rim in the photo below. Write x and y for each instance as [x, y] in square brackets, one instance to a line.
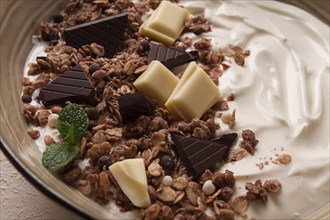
[43, 187]
[39, 185]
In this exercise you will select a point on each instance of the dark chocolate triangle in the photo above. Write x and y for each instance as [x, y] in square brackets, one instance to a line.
[134, 105]
[170, 56]
[73, 85]
[196, 154]
[108, 32]
[227, 139]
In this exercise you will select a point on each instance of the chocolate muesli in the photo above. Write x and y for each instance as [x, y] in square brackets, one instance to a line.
[111, 139]
[146, 143]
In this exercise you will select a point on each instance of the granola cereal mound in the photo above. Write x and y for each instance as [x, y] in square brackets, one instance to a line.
[108, 140]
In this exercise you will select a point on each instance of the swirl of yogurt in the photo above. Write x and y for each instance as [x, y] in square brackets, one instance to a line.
[282, 93]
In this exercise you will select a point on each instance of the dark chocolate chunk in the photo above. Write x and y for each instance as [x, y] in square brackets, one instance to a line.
[92, 113]
[133, 105]
[26, 98]
[58, 18]
[104, 162]
[42, 58]
[227, 139]
[73, 85]
[197, 154]
[92, 124]
[198, 30]
[145, 44]
[170, 56]
[108, 32]
[92, 68]
[167, 162]
[53, 42]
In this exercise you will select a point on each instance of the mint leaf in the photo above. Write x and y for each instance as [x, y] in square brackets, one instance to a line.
[59, 155]
[72, 123]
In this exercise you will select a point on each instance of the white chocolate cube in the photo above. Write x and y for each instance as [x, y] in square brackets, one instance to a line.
[131, 176]
[157, 82]
[194, 94]
[165, 24]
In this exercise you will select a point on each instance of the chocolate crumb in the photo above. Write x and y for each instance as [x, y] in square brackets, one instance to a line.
[92, 68]
[26, 98]
[167, 162]
[92, 113]
[249, 141]
[104, 162]
[58, 18]
[198, 30]
[35, 134]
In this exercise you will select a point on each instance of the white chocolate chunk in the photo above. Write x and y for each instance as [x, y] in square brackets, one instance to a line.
[157, 82]
[166, 23]
[194, 94]
[131, 176]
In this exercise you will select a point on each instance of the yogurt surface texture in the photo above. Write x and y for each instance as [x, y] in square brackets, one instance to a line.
[282, 94]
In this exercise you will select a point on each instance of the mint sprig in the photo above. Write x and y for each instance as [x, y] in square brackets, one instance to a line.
[72, 125]
[58, 155]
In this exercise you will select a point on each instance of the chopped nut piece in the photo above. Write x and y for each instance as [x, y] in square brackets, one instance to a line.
[284, 158]
[272, 185]
[191, 193]
[179, 197]
[237, 154]
[166, 194]
[229, 178]
[152, 212]
[203, 44]
[180, 183]
[240, 204]
[197, 24]
[35, 134]
[72, 175]
[48, 140]
[155, 169]
[152, 193]
[260, 166]
[56, 109]
[256, 191]
[226, 193]
[226, 117]
[249, 141]
[227, 214]
[99, 74]
[231, 97]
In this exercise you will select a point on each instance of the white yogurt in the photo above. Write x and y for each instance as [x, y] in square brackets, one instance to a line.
[282, 93]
